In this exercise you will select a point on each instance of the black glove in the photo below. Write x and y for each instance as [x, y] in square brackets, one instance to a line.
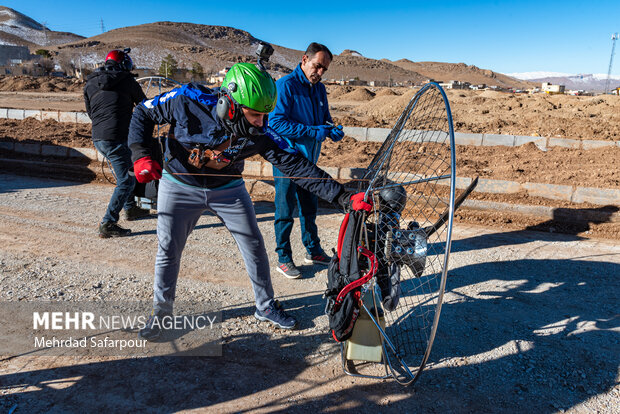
[344, 199]
[355, 201]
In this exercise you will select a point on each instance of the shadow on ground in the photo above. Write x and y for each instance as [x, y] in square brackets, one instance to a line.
[563, 230]
[537, 334]
[75, 170]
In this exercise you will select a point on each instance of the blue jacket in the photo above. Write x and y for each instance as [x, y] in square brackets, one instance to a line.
[300, 106]
[191, 112]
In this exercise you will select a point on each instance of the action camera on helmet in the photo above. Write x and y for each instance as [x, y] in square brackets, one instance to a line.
[120, 58]
[264, 52]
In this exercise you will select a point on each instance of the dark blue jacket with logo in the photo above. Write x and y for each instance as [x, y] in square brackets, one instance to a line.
[191, 112]
[300, 106]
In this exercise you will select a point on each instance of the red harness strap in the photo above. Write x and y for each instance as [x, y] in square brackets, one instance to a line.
[359, 282]
[341, 233]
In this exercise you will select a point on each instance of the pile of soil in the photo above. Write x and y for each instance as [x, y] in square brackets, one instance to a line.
[526, 163]
[386, 92]
[336, 91]
[358, 95]
[491, 112]
[387, 107]
[40, 84]
[47, 132]
[368, 122]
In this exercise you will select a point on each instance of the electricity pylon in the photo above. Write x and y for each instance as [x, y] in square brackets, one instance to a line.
[614, 37]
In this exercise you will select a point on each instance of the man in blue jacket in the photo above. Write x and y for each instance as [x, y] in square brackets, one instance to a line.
[203, 163]
[302, 118]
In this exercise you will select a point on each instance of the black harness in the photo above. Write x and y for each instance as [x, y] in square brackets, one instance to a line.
[344, 278]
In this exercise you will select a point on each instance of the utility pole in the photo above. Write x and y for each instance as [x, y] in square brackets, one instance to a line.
[102, 26]
[614, 37]
[45, 31]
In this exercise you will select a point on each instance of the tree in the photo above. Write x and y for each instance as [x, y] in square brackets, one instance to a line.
[197, 71]
[168, 66]
[43, 52]
[47, 65]
[66, 61]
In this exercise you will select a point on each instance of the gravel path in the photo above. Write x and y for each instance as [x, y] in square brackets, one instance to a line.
[530, 320]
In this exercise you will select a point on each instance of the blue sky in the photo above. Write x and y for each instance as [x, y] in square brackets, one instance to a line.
[504, 36]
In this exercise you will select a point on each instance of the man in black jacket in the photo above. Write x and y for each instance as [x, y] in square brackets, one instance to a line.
[202, 171]
[110, 95]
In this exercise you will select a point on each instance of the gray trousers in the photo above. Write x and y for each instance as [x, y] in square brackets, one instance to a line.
[178, 210]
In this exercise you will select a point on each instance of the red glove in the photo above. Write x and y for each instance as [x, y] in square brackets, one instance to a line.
[146, 170]
[358, 203]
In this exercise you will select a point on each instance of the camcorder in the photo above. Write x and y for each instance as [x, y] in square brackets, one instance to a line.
[264, 52]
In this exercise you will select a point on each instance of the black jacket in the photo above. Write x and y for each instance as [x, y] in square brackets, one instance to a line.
[110, 95]
[191, 110]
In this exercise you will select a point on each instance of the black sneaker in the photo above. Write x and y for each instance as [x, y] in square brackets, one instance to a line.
[155, 326]
[289, 270]
[321, 259]
[277, 316]
[109, 229]
[135, 213]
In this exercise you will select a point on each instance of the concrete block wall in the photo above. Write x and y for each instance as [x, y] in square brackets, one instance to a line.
[264, 170]
[596, 196]
[462, 138]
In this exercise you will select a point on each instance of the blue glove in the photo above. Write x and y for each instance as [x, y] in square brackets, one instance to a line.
[322, 132]
[336, 133]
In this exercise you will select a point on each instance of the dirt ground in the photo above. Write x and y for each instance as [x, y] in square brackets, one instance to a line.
[575, 117]
[556, 116]
[526, 163]
[596, 168]
[40, 84]
[527, 322]
[528, 317]
[561, 116]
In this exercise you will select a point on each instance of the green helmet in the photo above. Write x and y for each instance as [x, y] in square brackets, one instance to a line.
[251, 87]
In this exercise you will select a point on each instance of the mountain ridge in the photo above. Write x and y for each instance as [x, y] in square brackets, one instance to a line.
[17, 29]
[217, 47]
[582, 81]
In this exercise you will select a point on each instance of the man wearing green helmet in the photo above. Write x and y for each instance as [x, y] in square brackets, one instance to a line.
[211, 135]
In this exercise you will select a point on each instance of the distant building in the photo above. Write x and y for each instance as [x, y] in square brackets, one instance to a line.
[455, 85]
[352, 82]
[357, 82]
[551, 88]
[388, 83]
[478, 87]
[218, 77]
[14, 55]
